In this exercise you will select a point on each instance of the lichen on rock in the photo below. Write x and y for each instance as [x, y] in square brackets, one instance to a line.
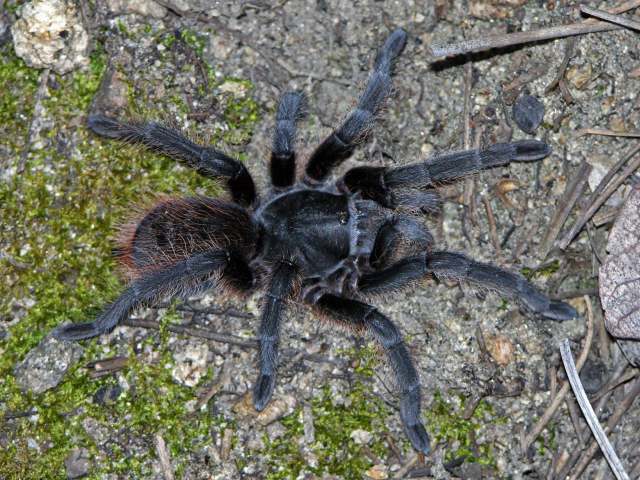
[51, 34]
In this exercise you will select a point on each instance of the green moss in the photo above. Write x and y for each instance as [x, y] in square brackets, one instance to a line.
[447, 425]
[336, 451]
[547, 441]
[543, 271]
[59, 217]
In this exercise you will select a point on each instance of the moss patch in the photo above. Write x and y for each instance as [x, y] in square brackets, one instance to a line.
[58, 219]
[446, 424]
[337, 453]
[543, 271]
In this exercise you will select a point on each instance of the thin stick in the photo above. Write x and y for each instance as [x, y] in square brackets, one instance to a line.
[569, 198]
[469, 183]
[575, 420]
[596, 203]
[163, 456]
[506, 40]
[568, 52]
[617, 19]
[33, 127]
[589, 414]
[407, 466]
[557, 401]
[563, 470]
[608, 133]
[576, 293]
[194, 332]
[493, 230]
[517, 38]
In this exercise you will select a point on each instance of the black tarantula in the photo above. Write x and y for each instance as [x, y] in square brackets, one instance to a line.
[331, 244]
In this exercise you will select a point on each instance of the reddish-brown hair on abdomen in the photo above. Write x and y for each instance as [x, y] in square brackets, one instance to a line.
[168, 230]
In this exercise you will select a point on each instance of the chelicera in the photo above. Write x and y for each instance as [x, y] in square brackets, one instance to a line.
[332, 244]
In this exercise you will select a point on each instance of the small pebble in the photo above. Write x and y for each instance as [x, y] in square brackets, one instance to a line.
[528, 113]
[77, 464]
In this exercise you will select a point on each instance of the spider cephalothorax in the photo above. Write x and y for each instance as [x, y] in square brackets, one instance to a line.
[331, 244]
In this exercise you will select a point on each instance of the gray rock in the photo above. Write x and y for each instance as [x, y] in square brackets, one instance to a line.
[191, 361]
[146, 8]
[112, 97]
[51, 34]
[44, 366]
[77, 464]
[185, 6]
[528, 113]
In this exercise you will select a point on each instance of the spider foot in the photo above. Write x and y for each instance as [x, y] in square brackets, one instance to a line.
[263, 390]
[534, 301]
[559, 311]
[418, 437]
[76, 331]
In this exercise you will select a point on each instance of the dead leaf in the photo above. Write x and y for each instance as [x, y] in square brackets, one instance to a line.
[620, 273]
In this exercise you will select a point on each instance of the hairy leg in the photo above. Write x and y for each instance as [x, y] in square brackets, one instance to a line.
[398, 230]
[205, 160]
[292, 107]
[363, 316]
[182, 277]
[459, 267]
[341, 143]
[269, 334]
[387, 186]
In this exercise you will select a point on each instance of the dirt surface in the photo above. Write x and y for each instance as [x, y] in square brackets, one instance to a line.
[217, 72]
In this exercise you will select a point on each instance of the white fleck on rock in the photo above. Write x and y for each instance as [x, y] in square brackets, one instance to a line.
[44, 366]
[361, 437]
[51, 34]
[190, 362]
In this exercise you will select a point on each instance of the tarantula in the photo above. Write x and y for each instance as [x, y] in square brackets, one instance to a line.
[331, 244]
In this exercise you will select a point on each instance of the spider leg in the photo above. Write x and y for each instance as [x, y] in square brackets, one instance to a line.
[280, 288]
[182, 277]
[387, 185]
[462, 268]
[341, 143]
[393, 233]
[205, 160]
[363, 316]
[458, 266]
[292, 107]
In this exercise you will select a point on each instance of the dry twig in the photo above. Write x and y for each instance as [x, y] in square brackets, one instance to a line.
[617, 19]
[493, 230]
[557, 401]
[407, 466]
[163, 456]
[569, 198]
[597, 198]
[622, 408]
[194, 332]
[607, 132]
[568, 52]
[517, 38]
[587, 409]
[33, 128]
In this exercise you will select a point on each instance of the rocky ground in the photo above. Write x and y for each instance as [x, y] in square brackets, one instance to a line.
[118, 405]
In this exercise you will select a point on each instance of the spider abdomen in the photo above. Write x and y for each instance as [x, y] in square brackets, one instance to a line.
[173, 229]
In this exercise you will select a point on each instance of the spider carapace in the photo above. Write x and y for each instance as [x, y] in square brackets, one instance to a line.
[332, 244]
